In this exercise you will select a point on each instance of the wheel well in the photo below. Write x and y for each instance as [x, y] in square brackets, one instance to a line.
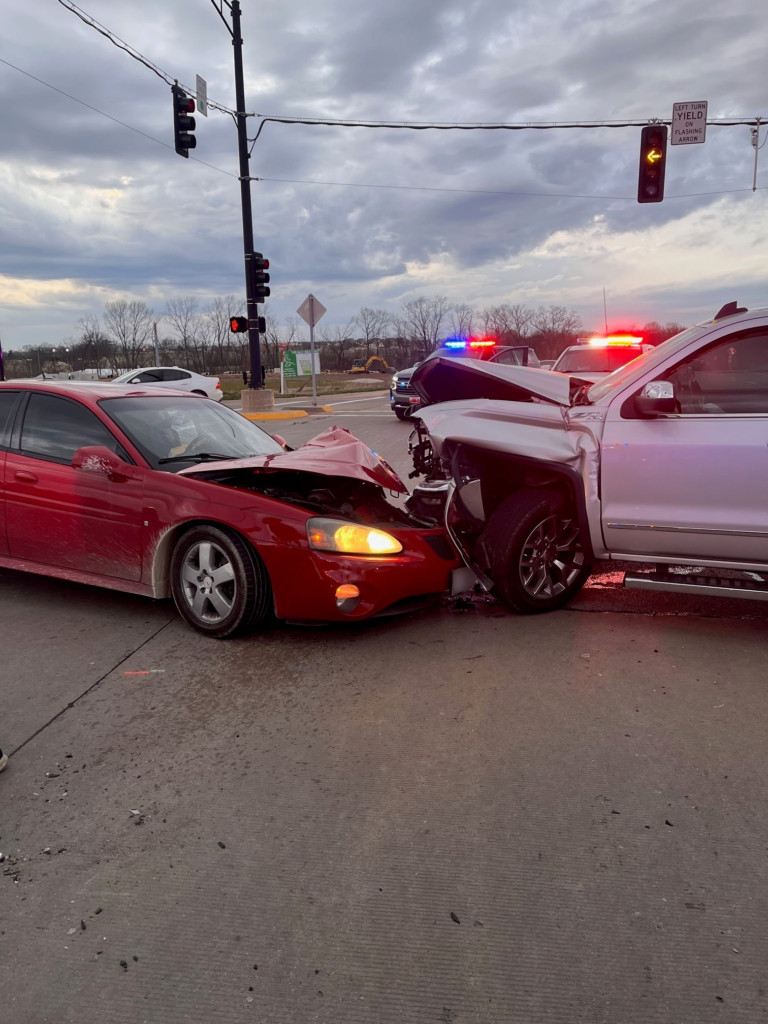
[161, 562]
[520, 471]
[197, 391]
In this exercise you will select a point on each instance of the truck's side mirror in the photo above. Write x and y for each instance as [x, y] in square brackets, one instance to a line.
[656, 398]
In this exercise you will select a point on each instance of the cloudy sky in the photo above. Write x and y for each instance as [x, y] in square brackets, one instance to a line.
[90, 210]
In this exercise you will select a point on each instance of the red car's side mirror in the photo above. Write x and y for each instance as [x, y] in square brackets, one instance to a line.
[280, 440]
[99, 459]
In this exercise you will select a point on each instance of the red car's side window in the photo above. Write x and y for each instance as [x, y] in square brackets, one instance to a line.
[54, 428]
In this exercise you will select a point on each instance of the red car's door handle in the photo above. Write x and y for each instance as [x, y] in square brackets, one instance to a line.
[26, 478]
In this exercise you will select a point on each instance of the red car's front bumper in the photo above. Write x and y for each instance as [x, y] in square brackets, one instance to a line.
[304, 581]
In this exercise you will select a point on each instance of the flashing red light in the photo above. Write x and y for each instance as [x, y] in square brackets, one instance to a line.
[482, 343]
[617, 340]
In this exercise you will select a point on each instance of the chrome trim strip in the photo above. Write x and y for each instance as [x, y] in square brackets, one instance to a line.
[632, 582]
[683, 529]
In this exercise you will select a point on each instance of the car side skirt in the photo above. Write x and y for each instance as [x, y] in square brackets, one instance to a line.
[75, 576]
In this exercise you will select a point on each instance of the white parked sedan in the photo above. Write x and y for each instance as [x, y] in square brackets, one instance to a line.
[174, 377]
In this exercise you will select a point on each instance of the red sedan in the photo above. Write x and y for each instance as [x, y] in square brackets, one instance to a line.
[162, 493]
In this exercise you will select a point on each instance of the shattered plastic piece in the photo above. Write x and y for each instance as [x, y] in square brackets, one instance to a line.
[71, 931]
[124, 965]
[82, 925]
[668, 822]
[454, 918]
[135, 812]
[98, 910]
[222, 845]
[136, 959]
[585, 656]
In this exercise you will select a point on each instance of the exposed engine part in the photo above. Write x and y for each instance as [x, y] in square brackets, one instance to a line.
[351, 499]
[428, 499]
[420, 448]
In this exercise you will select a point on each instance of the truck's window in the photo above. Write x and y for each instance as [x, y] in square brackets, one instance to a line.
[726, 378]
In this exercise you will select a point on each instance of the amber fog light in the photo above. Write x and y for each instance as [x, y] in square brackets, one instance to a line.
[347, 597]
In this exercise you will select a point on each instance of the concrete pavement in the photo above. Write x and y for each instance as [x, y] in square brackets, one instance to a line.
[281, 828]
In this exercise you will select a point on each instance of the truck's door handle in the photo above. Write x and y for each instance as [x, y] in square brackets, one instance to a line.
[26, 478]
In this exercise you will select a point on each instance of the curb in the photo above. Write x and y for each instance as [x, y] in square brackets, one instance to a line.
[273, 415]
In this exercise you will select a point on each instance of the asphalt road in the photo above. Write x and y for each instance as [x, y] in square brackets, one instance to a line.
[462, 816]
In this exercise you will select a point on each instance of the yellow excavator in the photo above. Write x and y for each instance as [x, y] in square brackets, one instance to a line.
[376, 364]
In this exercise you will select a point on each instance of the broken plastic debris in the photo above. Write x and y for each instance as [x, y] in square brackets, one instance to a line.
[454, 918]
[144, 672]
[135, 812]
[222, 845]
[71, 931]
[585, 656]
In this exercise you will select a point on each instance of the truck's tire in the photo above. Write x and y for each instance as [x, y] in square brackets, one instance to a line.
[534, 551]
[219, 583]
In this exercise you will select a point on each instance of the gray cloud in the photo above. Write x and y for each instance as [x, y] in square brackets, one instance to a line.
[85, 199]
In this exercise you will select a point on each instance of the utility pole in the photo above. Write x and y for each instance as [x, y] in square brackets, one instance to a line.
[256, 397]
[157, 347]
[245, 198]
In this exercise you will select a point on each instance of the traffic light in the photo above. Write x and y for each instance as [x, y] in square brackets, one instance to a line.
[653, 163]
[183, 124]
[239, 324]
[259, 278]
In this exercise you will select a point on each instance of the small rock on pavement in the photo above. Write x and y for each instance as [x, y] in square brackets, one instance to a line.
[124, 965]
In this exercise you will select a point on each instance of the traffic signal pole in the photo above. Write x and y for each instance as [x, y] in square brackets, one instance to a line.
[252, 310]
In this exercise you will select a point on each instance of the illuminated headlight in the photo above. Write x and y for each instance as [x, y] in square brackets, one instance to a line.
[349, 538]
[394, 381]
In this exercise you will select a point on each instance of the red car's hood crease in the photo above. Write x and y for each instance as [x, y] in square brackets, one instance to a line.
[334, 452]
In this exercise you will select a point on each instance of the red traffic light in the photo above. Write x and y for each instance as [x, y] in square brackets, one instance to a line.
[238, 324]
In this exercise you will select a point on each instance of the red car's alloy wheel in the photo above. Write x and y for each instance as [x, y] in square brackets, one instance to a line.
[219, 583]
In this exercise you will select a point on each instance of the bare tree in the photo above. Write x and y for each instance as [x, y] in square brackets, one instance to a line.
[182, 314]
[508, 323]
[130, 324]
[94, 343]
[214, 325]
[554, 329]
[372, 324]
[421, 321]
[271, 341]
[336, 343]
[462, 320]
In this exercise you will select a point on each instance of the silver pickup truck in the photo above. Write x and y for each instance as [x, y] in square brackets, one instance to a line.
[665, 461]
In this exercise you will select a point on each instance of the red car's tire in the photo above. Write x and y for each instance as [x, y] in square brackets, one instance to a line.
[220, 585]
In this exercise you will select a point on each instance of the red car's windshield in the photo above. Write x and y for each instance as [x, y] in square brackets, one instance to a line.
[596, 360]
[172, 433]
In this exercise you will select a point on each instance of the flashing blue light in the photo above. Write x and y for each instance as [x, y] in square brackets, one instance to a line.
[456, 343]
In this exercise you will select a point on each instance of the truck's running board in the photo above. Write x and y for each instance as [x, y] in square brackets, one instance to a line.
[712, 586]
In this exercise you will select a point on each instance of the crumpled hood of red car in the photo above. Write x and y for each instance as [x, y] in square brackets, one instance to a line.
[335, 452]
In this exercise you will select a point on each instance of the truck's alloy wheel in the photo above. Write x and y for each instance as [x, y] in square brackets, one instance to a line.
[219, 583]
[534, 550]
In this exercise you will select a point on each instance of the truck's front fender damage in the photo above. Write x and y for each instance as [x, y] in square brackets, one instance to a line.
[490, 449]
